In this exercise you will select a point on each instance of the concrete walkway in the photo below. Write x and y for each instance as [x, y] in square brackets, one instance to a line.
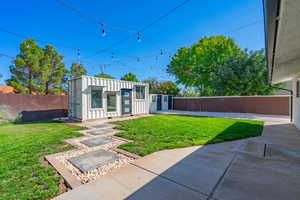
[265, 167]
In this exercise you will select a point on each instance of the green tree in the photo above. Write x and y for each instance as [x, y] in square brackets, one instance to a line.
[104, 75]
[77, 69]
[189, 92]
[27, 68]
[245, 74]
[154, 85]
[53, 71]
[198, 65]
[162, 87]
[168, 87]
[129, 77]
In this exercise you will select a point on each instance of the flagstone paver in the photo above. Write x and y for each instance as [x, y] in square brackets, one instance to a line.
[101, 132]
[97, 141]
[93, 160]
[101, 126]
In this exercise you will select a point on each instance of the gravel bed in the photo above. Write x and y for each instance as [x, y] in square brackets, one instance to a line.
[82, 149]
[93, 174]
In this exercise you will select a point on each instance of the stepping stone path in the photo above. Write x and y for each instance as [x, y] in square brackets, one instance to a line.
[93, 142]
[100, 132]
[98, 158]
[101, 126]
[93, 160]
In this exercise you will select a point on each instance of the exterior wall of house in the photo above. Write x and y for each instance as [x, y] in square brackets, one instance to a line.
[296, 104]
[83, 88]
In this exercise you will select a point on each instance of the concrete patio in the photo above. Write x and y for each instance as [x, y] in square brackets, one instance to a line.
[265, 167]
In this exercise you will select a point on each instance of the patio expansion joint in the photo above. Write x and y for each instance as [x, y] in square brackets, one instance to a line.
[210, 196]
[171, 180]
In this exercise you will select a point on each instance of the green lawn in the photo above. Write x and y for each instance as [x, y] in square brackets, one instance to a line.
[23, 175]
[154, 133]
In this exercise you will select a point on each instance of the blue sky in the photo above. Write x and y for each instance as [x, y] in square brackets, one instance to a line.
[49, 21]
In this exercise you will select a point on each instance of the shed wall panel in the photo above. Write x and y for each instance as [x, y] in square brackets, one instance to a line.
[81, 91]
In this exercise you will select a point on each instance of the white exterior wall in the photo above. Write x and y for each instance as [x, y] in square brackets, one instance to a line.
[164, 103]
[139, 106]
[153, 104]
[296, 105]
[75, 98]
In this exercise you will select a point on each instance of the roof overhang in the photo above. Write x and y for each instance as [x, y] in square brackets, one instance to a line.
[282, 32]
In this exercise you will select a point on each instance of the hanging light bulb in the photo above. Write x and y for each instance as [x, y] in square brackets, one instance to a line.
[139, 37]
[138, 59]
[161, 52]
[103, 30]
[112, 55]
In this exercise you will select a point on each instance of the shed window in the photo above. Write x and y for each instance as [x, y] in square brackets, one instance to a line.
[153, 98]
[140, 92]
[165, 98]
[111, 102]
[96, 97]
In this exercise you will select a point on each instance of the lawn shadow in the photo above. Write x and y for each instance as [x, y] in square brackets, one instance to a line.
[236, 131]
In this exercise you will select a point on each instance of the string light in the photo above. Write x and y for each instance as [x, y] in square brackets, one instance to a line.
[139, 37]
[161, 52]
[112, 55]
[103, 30]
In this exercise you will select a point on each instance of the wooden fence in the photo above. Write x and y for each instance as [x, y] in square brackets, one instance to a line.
[273, 105]
[34, 107]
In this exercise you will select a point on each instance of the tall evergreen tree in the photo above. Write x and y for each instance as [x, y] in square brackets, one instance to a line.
[53, 70]
[26, 68]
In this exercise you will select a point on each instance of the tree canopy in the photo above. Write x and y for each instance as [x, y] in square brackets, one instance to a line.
[104, 75]
[77, 69]
[162, 87]
[154, 85]
[245, 74]
[54, 70]
[217, 66]
[129, 77]
[26, 69]
[40, 70]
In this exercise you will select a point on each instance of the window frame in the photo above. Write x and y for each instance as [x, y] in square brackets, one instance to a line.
[138, 92]
[91, 97]
[110, 93]
[166, 99]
